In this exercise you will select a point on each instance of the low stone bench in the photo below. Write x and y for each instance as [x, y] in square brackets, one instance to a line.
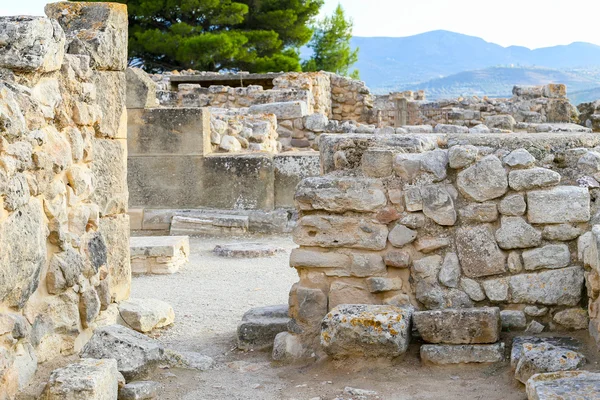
[209, 225]
[158, 254]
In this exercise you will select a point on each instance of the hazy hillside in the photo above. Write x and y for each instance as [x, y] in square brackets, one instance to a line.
[499, 81]
[390, 63]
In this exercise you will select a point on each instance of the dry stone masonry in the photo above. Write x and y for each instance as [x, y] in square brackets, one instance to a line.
[451, 221]
[64, 231]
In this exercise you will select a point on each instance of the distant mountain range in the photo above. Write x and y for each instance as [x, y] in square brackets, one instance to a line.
[449, 64]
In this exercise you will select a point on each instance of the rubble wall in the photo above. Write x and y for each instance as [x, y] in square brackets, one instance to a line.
[451, 221]
[64, 231]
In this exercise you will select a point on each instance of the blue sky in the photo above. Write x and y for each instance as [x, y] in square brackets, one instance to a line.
[530, 23]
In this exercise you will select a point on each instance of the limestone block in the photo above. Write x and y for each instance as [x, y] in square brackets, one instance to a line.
[519, 158]
[400, 236]
[478, 252]
[429, 244]
[316, 122]
[438, 205]
[188, 360]
[114, 232]
[308, 305]
[287, 347]
[513, 320]
[496, 289]
[366, 330]
[544, 357]
[561, 232]
[558, 205]
[445, 128]
[145, 315]
[377, 163]
[31, 44]
[554, 287]
[443, 354]
[340, 194]
[553, 385]
[501, 122]
[513, 205]
[564, 342]
[459, 326]
[549, 256]
[485, 180]
[141, 390]
[380, 285]
[472, 288]
[462, 156]
[289, 170]
[282, 110]
[22, 260]
[158, 254]
[572, 318]
[516, 233]
[533, 178]
[479, 212]
[88, 379]
[339, 263]
[247, 250]
[135, 353]
[339, 231]
[89, 306]
[141, 89]
[112, 86]
[435, 162]
[259, 327]
[535, 327]
[397, 259]
[450, 271]
[109, 171]
[98, 30]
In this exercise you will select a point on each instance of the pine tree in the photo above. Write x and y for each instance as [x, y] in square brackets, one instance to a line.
[215, 35]
[331, 46]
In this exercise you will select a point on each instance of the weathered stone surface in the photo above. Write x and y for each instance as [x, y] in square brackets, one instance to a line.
[377, 163]
[565, 342]
[144, 315]
[435, 162]
[365, 330]
[407, 166]
[564, 385]
[87, 379]
[98, 30]
[550, 256]
[501, 122]
[459, 326]
[561, 232]
[534, 178]
[308, 305]
[110, 246]
[438, 205]
[477, 213]
[462, 156]
[513, 320]
[535, 327]
[554, 287]
[397, 259]
[472, 288]
[478, 252]
[513, 205]
[573, 318]
[22, 260]
[516, 233]
[188, 360]
[340, 194]
[544, 357]
[31, 44]
[247, 250]
[380, 284]
[259, 326]
[140, 390]
[112, 85]
[89, 306]
[534, 311]
[450, 272]
[400, 236]
[515, 265]
[282, 110]
[158, 254]
[350, 293]
[558, 205]
[485, 180]
[287, 347]
[440, 354]
[109, 171]
[141, 89]
[339, 263]
[135, 353]
[338, 231]
[496, 289]
[519, 158]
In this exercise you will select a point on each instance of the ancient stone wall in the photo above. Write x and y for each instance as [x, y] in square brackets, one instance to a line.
[351, 100]
[450, 221]
[64, 231]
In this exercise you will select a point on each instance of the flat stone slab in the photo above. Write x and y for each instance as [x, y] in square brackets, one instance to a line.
[544, 357]
[247, 250]
[158, 254]
[144, 315]
[561, 341]
[140, 390]
[442, 354]
[207, 225]
[135, 353]
[459, 326]
[88, 379]
[366, 330]
[259, 327]
[566, 385]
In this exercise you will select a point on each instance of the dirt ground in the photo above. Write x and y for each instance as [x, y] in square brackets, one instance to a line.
[210, 295]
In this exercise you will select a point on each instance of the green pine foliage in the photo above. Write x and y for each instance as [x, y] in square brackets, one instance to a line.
[331, 46]
[215, 35]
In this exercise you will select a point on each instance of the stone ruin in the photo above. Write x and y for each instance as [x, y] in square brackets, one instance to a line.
[452, 220]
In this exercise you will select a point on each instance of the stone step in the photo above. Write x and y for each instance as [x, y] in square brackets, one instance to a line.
[564, 385]
[259, 327]
[459, 326]
[247, 250]
[442, 354]
[158, 254]
[209, 224]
